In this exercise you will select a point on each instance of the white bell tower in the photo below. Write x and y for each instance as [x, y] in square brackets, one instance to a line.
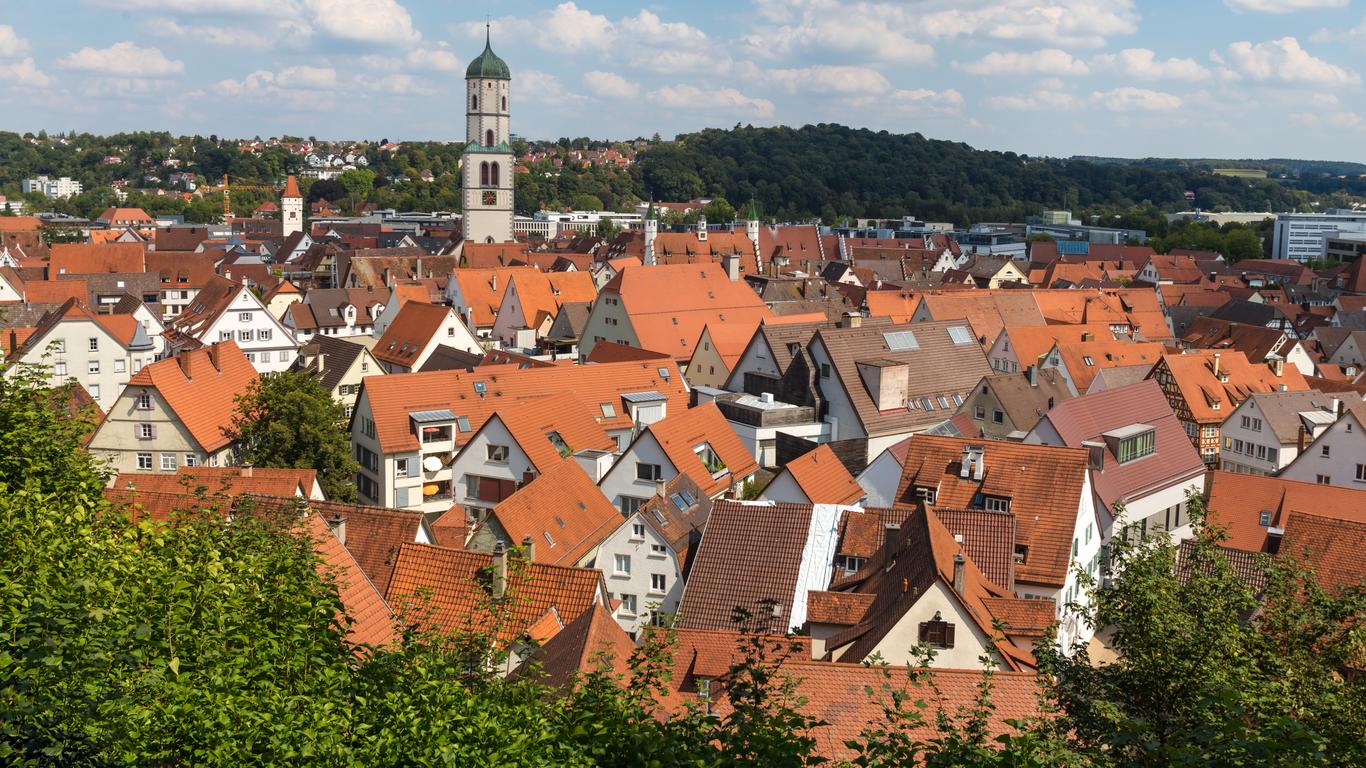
[488, 161]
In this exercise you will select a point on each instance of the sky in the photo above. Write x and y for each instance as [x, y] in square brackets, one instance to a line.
[1170, 78]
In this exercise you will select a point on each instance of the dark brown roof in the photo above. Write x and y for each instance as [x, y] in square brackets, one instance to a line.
[749, 553]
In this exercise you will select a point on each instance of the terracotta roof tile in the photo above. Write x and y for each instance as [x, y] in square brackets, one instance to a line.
[482, 291]
[410, 332]
[988, 311]
[393, 397]
[1103, 354]
[823, 478]
[987, 537]
[842, 608]
[1044, 484]
[668, 305]
[1237, 503]
[562, 512]
[451, 529]
[1329, 543]
[458, 586]
[87, 258]
[1193, 374]
[224, 481]
[579, 648]
[372, 622]
[541, 294]
[681, 432]
[612, 352]
[200, 387]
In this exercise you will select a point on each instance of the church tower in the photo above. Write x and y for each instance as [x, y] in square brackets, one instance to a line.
[291, 208]
[488, 161]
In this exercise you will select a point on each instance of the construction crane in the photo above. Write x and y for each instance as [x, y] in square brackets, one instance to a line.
[227, 194]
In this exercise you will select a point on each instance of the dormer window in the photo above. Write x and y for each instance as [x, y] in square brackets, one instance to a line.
[996, 504]
[710, 460]
[1021, 553]
[927, 495]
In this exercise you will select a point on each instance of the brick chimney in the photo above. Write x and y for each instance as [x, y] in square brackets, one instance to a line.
[337, 522]
[1214, 365]
[529, 548]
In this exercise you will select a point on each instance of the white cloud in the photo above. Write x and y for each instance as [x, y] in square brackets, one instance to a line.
[946, 102]
[372, 21]
[438, 59]
[1331, 119]
[648, 28]
[1283, 6]
[545, 88]
[1090, 23]
[124, 59]
[829, 79]
[1143, 64]
[858, 34]
[571, 28]
[726, 100]
[225, 36]
[1035, 101]
[216, 7]
[1285, 61]
[23, 73]
[610, 86]
[663, 61]
[11, 44]
[1049, 61]
[1129, 99]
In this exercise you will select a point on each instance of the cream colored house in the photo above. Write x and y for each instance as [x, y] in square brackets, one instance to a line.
[339, 365]
[102, 352]
[175, 412]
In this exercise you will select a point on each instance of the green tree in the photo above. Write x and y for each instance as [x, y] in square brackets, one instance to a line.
[607, 229]
[585, 202]
[358, 183]
[288, 420]
[719, 211]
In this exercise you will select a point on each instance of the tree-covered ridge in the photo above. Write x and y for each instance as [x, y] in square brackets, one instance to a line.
[832, 171]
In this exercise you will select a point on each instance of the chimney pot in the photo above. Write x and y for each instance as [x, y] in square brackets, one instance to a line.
[529, 548]
[959, 572]
[337, 522]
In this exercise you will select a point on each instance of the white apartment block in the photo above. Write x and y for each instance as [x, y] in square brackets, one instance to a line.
[62, 188]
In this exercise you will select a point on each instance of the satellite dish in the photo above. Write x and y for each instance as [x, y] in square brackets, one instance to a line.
[431, 463]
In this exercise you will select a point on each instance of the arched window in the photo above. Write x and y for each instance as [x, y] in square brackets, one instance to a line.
[493, 174]
[505, 103]
[483, 174]
[474, 101]
[488, 136]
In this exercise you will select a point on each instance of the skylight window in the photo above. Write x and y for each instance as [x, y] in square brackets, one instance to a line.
[960, 334]
[900, 341]
[481, 388]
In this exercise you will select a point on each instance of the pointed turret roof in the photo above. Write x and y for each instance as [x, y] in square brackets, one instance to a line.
[291, 188]
[487, 64]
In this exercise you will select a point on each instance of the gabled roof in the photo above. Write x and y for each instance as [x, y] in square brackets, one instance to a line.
[1031, 342]
[410, 332]
[1330, 544]
[458, 587]
[823, 478]
[923, 552]
[1236, 503]
[328, 358]
[213, 299]
[938, 366]
[562, 512]
[1088, 417]
[1281, 411]
[532, 419]
[393, 397]
[749, 553]
[1044, 485]
[87, 258]
[668, 305]
[200, 387]
[181, 270]
[1027, 402]
[483, 289]
[1193, 374]
[372, 622]
[987, 311]
[540, 294]
[682, 431]
[1085, 358]
[579, 648]
[728, 340]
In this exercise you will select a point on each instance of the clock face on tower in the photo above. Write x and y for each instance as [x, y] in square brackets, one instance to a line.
[490, 198]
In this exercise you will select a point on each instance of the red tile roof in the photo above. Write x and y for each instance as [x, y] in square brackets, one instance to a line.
[823, 478]
[224, 481]
[371, 621]
[410, 332]
[668, 305]
[562, 512]
[580, 648]
[200, 387]
[1194, 375]
[532, 419]
[451, 529]
[612, 352]
[86, 258]
[392, 398]
[1329, 543]
[1103, 354]
[679, 433]
[1044, 485]
[458, 586]
[483, 289]
[1236, 503]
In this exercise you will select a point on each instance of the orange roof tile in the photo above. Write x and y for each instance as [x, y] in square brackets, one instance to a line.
[1031, 342]
[668, 305]
[1236, 503]
[898, 305]
[579, 647]
[1330, 544]
[291, 187]
[410, 332]
[842, 608]
[562, 512]
[483, 289]
[532, 420]
[225, 481]
[1044, 485]
[451, 529]
[540, 294]
[823, 477]
[679, 433]
[199, 386]
[988, 311]
[458, 587]
[612, 352]
[392, 398]
[1193, 374]
[1085, 358]
[55, 291]
[371, 621]
[86, 258]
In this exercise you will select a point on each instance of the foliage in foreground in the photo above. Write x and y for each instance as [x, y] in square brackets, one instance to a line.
[197, 642]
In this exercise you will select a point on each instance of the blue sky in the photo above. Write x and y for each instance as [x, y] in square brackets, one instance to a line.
[1226, 78]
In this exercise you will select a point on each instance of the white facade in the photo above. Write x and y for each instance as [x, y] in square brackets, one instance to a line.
[634, 479]
[268, 345]
[487, 166]
[880, 480]
[651, 580]
[81, 350]
[141, 433]
[1338, 457]
[1301, 236]
[62, 188]
[291, 215]
[492, 453]
[1249, 445]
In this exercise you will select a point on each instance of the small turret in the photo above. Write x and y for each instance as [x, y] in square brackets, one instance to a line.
[651, 232]
[702, 228]
[752, 229]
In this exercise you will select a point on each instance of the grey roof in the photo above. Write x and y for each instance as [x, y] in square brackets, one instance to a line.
[643, 397]
[1281, 410]
[1024, 403]
[445, 358]
[1245, 312]
[337, 356]
[570, 321]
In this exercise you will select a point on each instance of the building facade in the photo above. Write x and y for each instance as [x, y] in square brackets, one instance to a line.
[488, 161]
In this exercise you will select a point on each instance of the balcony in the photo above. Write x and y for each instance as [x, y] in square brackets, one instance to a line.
[763, 411]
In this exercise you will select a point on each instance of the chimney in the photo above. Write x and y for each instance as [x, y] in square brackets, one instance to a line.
[1278, 366]
[731, 263]
[980, 454]
[1095, 454]
[337, 523]
[959, 572]
[660, 488]
[529, 548]
[965, 464]
[1087, 336]
[1033, 375]
[853, 320]
[1214, 365]
[1336, 407]
[500, 570]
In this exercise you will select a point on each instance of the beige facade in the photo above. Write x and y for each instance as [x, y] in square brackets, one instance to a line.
[142, 434]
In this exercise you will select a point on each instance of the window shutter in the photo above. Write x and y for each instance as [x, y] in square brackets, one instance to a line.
[506, 488]
[948, 635]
